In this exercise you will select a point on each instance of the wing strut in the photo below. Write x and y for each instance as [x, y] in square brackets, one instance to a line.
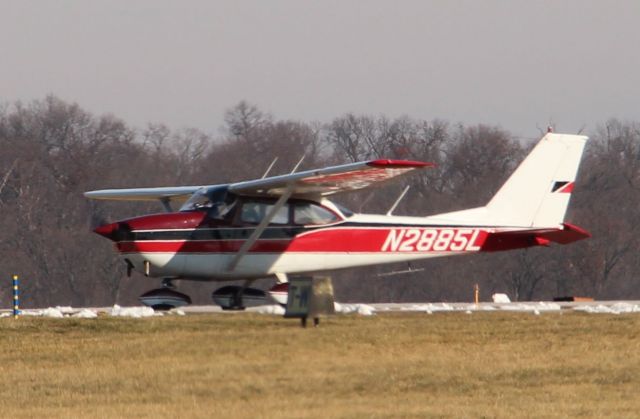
[297, 165]
[260, 228]
[269, 168]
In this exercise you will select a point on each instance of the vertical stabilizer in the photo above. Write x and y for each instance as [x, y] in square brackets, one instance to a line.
[537, 193]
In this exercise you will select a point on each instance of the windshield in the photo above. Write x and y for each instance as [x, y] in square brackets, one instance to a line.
[215, 200]
[199, 199]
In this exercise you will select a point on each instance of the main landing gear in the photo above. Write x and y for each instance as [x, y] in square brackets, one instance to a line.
[239, 297]
[165, 298]
[230, 297]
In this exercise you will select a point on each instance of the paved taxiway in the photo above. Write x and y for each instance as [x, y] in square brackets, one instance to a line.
[612, 307]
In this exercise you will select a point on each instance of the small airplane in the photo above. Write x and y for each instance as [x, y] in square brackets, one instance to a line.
[286, 225]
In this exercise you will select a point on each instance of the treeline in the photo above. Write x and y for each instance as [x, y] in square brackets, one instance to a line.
[53, 151]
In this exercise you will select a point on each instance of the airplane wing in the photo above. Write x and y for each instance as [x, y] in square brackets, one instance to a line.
[329, 180]
[176, 193]
[323, 182]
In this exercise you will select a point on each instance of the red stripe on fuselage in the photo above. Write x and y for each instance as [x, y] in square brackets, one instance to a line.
[209, 246]
[331, 240]
[390, 240]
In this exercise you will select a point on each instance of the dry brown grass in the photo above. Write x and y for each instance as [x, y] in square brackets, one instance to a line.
[391, 365]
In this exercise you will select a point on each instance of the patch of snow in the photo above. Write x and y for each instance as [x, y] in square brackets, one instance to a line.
[5, 315]
[500, 298]
[418, 307]
[621, 308]
[31, 312]
[85, 313]
[532, 307]
[617, 308]
[365, 310]
[339, 308]
[134, 312]
[65, 309]
[275, 309]
[52, 312]
[593, 309]
[429, 308]
[362, 309]
[481, 307]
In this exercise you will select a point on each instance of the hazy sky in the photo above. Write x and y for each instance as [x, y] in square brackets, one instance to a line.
[518, 64]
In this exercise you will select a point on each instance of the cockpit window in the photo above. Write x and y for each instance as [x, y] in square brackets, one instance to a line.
[198, 200]
[215, 200]
[308, 213]
[254, 212]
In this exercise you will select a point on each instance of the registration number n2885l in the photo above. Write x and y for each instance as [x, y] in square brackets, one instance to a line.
[431, 240]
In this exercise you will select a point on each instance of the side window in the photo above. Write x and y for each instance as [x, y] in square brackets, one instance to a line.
[254, 212]
[220, 210]
[308, 213]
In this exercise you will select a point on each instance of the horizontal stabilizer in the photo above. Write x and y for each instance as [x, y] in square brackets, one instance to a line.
[507, 240]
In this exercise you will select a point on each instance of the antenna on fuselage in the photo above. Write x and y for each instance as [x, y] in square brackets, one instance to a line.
[395, 204]
[410, 270]
[269, 168]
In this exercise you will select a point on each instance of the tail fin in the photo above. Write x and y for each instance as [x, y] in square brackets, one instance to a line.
[537, 193]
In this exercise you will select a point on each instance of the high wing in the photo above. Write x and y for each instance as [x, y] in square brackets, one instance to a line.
[319, 182]
[172, 193]
[329, 180]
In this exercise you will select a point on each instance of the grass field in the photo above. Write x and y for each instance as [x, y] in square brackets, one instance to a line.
[389, 365]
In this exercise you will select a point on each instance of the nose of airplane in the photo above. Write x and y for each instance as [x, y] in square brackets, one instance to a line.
[108, 230]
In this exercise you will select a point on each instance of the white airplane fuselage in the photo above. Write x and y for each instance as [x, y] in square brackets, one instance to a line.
[185, 245]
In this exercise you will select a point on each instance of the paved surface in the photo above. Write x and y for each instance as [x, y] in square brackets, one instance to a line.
[532, 306]
[422, 306]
